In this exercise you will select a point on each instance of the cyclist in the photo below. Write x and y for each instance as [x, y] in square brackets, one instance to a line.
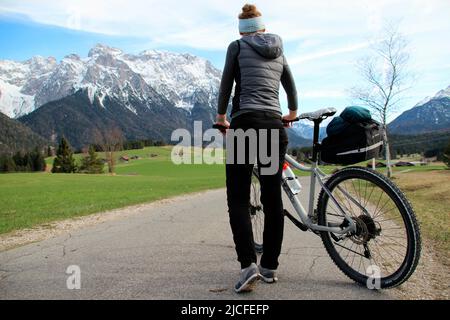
[257, 64]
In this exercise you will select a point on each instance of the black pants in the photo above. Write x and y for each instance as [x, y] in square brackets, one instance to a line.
[238, 178]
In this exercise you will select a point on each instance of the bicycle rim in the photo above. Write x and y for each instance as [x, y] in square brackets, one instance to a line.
[386, 244]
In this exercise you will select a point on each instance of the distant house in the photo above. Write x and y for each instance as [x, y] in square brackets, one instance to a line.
[404, 164]
[430, 159]
[378, 164]
[419, 163]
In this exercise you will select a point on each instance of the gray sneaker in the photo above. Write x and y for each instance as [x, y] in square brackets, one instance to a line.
[248, 279]
[268, 275]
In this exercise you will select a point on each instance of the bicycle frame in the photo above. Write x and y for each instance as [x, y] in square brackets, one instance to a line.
[317, 175]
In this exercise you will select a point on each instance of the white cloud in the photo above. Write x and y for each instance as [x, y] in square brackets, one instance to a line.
[323, 94]
[323, 37]
[330, 52]
[211, 24]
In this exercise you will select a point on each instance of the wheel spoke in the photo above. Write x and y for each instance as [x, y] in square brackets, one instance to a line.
[370, 195]
[349, 208]
[381, 237]
[350, 250]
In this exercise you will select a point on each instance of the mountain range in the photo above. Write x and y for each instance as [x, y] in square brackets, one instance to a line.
[151, 75]
[430, 114]
[146, 95]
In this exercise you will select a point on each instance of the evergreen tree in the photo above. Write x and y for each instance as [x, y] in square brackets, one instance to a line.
[18, 161]
[7, 164]
[446, 157]
[64, 161]
[91, 163]
[22, 162]
[28, 162]
[37, 160]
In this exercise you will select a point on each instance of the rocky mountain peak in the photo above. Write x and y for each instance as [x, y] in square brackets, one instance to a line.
[430, 114]
[182, 79]
[101, 49]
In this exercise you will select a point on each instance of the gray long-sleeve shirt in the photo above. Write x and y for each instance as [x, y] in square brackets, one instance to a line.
[258, 65]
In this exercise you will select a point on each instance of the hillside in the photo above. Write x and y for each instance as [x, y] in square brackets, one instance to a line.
[431, 114]
[77, 119]
[14, 136]
[410, 144]
[146, 95]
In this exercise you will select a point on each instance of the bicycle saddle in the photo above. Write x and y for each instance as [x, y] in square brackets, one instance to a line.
[318, 114]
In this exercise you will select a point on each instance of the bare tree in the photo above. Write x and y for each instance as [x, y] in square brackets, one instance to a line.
[110, 141]
[385, 79]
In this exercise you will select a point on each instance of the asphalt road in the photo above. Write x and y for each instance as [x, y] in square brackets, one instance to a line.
[179, 250]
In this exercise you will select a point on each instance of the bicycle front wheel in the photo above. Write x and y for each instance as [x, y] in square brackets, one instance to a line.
[386, 244]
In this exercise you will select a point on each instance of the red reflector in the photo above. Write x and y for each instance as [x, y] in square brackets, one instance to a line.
[285, 165]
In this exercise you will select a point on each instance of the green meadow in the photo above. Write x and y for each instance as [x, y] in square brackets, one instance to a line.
[29, 199]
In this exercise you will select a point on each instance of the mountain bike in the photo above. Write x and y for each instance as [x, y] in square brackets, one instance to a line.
[364, 220]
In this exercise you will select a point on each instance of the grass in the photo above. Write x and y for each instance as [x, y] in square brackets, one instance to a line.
[429, 193]
[428, 189]
[29, 199]
[142, 153]
[328, 169]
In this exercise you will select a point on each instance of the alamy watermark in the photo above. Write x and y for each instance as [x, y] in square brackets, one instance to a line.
[73, 281]
[242, 147]
[73, 20]
[373, 273]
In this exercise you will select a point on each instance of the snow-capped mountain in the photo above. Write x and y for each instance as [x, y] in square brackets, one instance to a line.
[182, 79]
[431, 114]
[20, 82]
[146, 95]
[444, 93]
[305, 129]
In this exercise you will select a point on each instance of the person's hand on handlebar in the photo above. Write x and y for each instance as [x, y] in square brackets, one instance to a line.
[287, 119]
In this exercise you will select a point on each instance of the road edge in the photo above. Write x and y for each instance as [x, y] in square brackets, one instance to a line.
[41, 232]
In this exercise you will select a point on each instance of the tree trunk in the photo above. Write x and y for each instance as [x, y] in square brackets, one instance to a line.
[110, 161]
[387, 153]
[113, 163]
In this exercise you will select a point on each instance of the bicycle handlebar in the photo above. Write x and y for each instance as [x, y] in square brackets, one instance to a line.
[219, 126]
[222, 128]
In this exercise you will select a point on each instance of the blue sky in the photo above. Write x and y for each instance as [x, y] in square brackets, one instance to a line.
[323, 39]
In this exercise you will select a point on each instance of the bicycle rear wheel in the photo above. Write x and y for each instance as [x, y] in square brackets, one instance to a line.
[386, 245]
[256, 212]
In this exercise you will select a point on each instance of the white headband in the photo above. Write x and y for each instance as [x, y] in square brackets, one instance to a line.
[251, 25]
